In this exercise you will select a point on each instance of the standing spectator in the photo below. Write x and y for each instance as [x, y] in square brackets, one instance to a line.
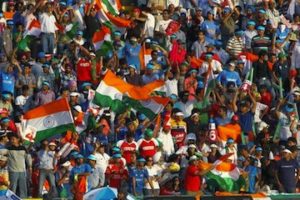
[19, 166]
[287, 173]
[27, 79]
[148, 145]
[47, 163]
[235, 45]
[96, 179]
[48, 29]
[199, 46]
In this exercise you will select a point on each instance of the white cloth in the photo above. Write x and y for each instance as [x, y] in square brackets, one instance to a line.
[162, 25]
[47, 23]
[149, 25]
[153, 172]
[216, 66]
[260, 107]
[167, 141]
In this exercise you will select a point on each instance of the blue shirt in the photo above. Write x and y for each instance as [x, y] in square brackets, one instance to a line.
[246, 121]
[227, 76]
[211, 29]
[132, 55]
[286, 172]
[140, 175]
[252, 173]
[83, 168]
[7, 82]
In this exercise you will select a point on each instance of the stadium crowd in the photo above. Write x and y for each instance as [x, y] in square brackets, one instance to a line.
[229, 69]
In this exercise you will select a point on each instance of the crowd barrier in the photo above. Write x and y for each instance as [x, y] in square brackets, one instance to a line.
[185, 197]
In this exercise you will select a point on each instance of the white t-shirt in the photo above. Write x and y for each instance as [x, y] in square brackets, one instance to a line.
[216, 67]
[167, 141]
[21, 100]
[162, 25]
[153, 172]
[259, 108]
[102, 161]
[47, 23]
[285, 131]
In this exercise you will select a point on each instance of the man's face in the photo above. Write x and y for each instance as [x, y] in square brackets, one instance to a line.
[165, 15]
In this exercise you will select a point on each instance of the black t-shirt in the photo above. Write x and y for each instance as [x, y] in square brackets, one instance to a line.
[261, 70]
[92, 25]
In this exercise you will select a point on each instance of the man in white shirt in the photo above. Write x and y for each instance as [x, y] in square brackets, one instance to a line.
[149, 24]
[48, 29]
[166, 139]
[102, 157]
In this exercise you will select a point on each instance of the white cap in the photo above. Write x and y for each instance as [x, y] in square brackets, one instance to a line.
[193, 158]
[286, 151]
[179, 114]
[52, 144]
[92, 54]
[66, 164]
[195, 114]
[262, 125]
[77, 108]
[192, 146]
[74, 94]
[191, 136]
[213, 146]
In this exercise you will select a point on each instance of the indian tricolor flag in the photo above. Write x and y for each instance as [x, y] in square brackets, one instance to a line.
[34, 28]
[150, 107]
[102, 41]
[224, 175]
[113, 91]
[47, 120]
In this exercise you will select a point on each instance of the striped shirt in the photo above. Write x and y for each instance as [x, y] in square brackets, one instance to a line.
[260, 43]
[235, 46]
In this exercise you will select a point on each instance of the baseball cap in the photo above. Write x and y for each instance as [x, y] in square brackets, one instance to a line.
[148, 132]
[192, 146]
[86, 84]
[41, 55]
[141, 160]
[77, 108]
[261, 28]
[179, 114]
[74, 94]
[79, 156]
[46, 83]
[258, 149]
[192, 158]
[150, 66]
[52, 144]
[66, 164]
[92, 157]
[5, 120]
[251, 23]
[230, 141]
[117, 155]
[286, 151]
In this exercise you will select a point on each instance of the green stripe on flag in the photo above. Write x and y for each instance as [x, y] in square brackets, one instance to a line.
[109, 7]
[135, 104]
[41, 135]
[118, 106]
[23, 45]
[105, 49]
[227, 184]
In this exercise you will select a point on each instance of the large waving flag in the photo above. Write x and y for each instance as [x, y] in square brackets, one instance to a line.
[225, 175]
[34, 28]
[102, 41]
[47, 120]
[150, 107]
[112, 90]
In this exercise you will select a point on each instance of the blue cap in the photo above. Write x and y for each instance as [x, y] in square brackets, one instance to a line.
[117, 155]
[208, 55]
[240, 62]
[10, 22]
[142, 117]
[116, 149]
[262, 11]
[92, 157]
[86, 84]
[46, 83]
[1, 14]
[230, 141]
[193, 71]
[173, 97]
[117, 33]
[261, 28]
[154, 42]
[150, 66]
[74, 153]
[258, 149]
[251, 23]
[62, 3]
[5, 120]
[173, 36]
[46, 65]
[41, 54]
[5, 95]
[79, 156]
[241, 158]
[79, 33]
[288, 108]
[132, 66]
[239, 32]
[141, 160]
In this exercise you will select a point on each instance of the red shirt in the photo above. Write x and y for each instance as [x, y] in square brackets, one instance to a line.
[127, 149]
[84, 68]
[147, 148]
[115, 174]
[192, 181]
[266, 98]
